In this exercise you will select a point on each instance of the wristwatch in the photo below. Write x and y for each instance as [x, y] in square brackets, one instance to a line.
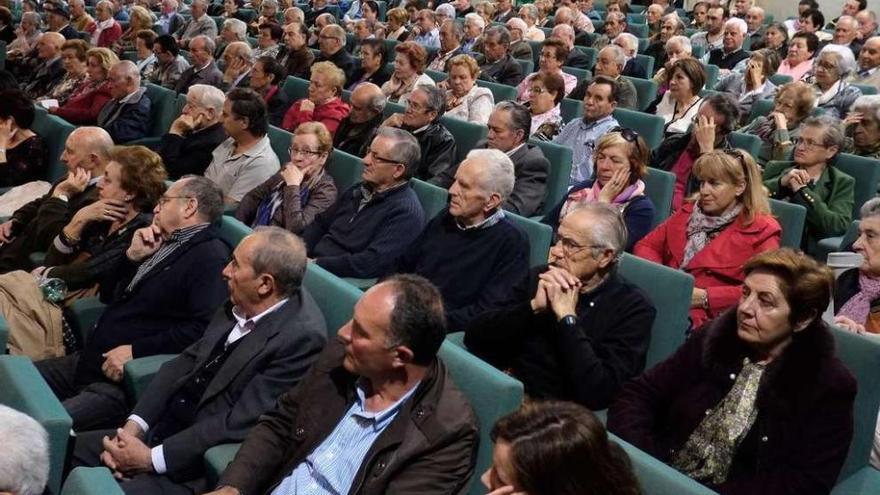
[568, 320]
[63, 197]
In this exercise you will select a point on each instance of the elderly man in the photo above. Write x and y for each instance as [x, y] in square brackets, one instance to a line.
[33, 226]
[473, 29]
[294, 14]
[571, 15]
[496, 64]
[610, 63]
[654, 18]
[519, 47]
[170, 64]
[867, 20]
[615, 23]
[332, 43]
[472, 252]
[424, 108]
[79, 18]
[713, 37]
[49, 70]
[425, 31]
[200, 24]
[25, 460]
[381, 383]
[869, 63]
[576, 58]
[204, 69]
[374, 221]
[504, 11]
[529, 14]
[755, 23]
[58, 19]
[509, 127]
[451, 35]
[127, 115]
[630, 44]
[295, 55]
[256, 347]
[169, 20]
[187, 148]
[586, 329]
[850, 8]
[233, 30]
[846, 33]
[167, 288]
[602, 97]
[239, 62]
[245, 159]
[731, 52]
[356, 131]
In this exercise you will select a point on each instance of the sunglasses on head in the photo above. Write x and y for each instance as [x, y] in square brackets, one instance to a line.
[628, 134]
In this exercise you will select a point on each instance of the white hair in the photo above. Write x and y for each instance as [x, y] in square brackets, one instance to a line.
[618, 54]
[24, 464]
[737, 23]
[498, 174]
[846, 61]
[238, 27]
[632, 42]
[868, 105]
[208, 96]
[683, 42]
[476, 19]
[128, 69]
[269, 3]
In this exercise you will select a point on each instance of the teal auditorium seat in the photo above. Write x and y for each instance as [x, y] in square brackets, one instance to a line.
[433, 198]
[670, 291]
[139, 372]
[4, 334]
[500, 92]
[233, 231]
[436, 75]
[580, 74]
[571, 109]
[646, 89]
[526, 66]
[780, 79]
[466, 134]
[296, 88]
[791, 218]
[711, 75]
[163, 109]
[23, 389]
[558, 176]
[91, 481]
[659, 187]
[392, 108]
[540, 238]
[866, 89]
[657, 478]
[761, 108]
[345, 169]
[650, 127]
[54, 130]
[280, 141]
[747, 142]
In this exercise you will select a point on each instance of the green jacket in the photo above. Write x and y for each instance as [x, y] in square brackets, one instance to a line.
[829, 202]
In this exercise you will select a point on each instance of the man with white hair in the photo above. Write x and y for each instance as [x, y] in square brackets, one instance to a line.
[293, 14]
[846, 33]
[199, 25]
[654, 18]
[473, 29]
[186, 149]
[24, 464]
[127, 115]
[867, 20]
[49, 70]
[869, 63]
[169, 19]
[576, 58]
[238, 59]
[519, 47]
[731, 51]
[615, 23]
[471, 251]
[713, 37]
[79, 18]
[233, 30]
[755, 23]
[630, 45]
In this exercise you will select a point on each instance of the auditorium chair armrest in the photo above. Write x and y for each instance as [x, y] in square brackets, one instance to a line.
[863, 482]
[91, 481]
[216, 460]
[139, 372]
[85, 313]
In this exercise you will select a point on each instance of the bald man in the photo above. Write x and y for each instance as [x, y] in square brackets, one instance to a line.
[356, 131]
[127, 116]
[869, 63]
[49, 71]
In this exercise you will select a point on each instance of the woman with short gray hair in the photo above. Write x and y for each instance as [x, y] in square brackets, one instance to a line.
[863, 127]
[24, 465]
[831, 69]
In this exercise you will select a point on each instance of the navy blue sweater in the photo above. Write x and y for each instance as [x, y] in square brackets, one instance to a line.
[476, 270]
[350, 241]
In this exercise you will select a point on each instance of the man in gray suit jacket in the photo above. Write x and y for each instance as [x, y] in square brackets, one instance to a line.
[256, 348]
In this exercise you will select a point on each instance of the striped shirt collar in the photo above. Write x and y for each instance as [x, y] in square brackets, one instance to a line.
[485, 224]
[589, 125]
[381, 418]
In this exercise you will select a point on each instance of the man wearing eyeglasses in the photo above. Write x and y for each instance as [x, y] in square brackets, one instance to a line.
[332, 46]
[186, 149]
[357, 129]
[582, 330]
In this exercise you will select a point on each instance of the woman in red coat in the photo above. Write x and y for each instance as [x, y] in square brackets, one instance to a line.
[86, 102]
[324, 103]
[713, 234]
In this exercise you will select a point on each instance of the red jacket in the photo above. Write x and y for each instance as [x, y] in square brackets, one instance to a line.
[107, 36]
[330, 114]
[718, 267]
[85, 104]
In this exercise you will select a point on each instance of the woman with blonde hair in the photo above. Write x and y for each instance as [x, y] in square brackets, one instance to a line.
[396, 24]
[75, 62]
[86, 102]
[294, 196]
[324, 103]
[140, 19]
[464, 99]
[716, 231]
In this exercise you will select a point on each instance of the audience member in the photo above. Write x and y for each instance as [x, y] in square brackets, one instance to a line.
[464, 99]
[610, 63]
[553, 56]
[7, 26]
[245, 159]
[630, 44]
[868, 27]
[770, 363]
[266, 79]
[169, 20]
[170, 64]
[715, 231]
[832, 68]
[24, 155]
[268, 41]
[581, 134]
[799, 62]
[199, 24]
[24, 466]
[529, 14]
[677, 47]
[356, 130]
[238, 63]
[775, 38]
[425, 30]
[755, 27]
[409, 66]
[519, 47]
[451, 36]
[497, 65]
[145, 59]
[49, 69]
[731, 52]
[846, 34]
[79, 18]
[869, 63]
[140, 19]
[713, 36]
[581, 330]
[187, 148]
[855, 299]
[374, 221]
[813, 182]
[396, 25]
[295, 56]
[204, 68]
[106, 30]
[75, 65]
[671, 25]
[473, 29]
[863, 127]
[324, 102]
[127, 115]
[332, 47]
[680, 104]
[373, 68]
[575, 58]
[780, 129]
[615, 23]
[294, 196]
[546, 93]
[752, 85]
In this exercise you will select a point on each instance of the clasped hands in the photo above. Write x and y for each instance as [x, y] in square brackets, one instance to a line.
[126, 454]
[558, 291]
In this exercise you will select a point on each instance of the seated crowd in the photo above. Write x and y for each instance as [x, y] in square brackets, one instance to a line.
[486, 170]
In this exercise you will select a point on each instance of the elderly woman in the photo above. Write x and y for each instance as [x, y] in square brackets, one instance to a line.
[831, 69]
[811, 181]
[680, 104]
[409, 67]
[554, 53]
[267, 76]
[857, 298]
[547, 91]
[781, 128]
[621, 162]
[670, 26]
[396, 20]
[536, 445]
[268, 41]
[324, 103]
[716, 231]
[677, 47]
[294, 196]
[776, 38]
[753, 84]
[529, 14]
[799, 61]
[140, 19]
[863, 127]
[464, 99]
[23, 154]
[545, 7]
[756, 402]
[486, 11]
[86, 102]
[231, 10]
[146, 59]
[73, 58]
[373, 64]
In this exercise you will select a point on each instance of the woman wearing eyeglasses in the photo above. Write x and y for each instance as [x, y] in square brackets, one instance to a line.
[832, 68]
[716, 231]
[294, 196]
[620, 161]
[781, 128]
[324, 103]
[545, 95]
[811, 181]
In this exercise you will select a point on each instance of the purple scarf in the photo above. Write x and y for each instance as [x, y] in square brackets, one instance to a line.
[859, 306]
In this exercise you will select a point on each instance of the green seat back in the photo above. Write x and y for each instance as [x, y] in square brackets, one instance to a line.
[466, 134]
[558, 176]
[4, 334]
[91, 481]
[648, 62]
[639, 30]
[392, 108]
[389, 48]
[747, 142]
[129, 55]
[571, 109]
[866, 172]
[54, 131]
[335, 297]
[643, 45]
[139, 372]
[670, 291]
[345, 169]
[780, 79]
[791, 218]
[536, 52]
[650, 127]
[232, 230]
[761, 108]
[657, 478]
[491, 393]
[296, 88]
[711, 75]
[526, 66]
[163, 109]
[217, 459]
[866, 89]
[659, 188]
[23, 389]
[433, 198]
[436, 75]
[646, 89]
[540, 237]
[248, 14]
[280, 141]
[591, 53]
[580, 74]
[636, 19]
[218, 21]
[500, 92]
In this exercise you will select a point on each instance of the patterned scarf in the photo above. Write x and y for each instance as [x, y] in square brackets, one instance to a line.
[702, 229]
[859, 306]
[765, 129]
[591, 195]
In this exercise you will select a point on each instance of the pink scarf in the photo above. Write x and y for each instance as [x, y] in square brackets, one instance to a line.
[859, 306]
[591, 195]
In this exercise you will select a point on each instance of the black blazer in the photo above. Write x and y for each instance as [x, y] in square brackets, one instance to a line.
[505, 71]
[578, 60]
[634, 68]
[266, 363]
[190, 154]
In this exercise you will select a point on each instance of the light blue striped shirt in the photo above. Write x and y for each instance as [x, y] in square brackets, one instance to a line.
[332, 466]
[581, 137]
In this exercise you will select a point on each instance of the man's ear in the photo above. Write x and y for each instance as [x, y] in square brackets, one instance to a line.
[403, 356]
